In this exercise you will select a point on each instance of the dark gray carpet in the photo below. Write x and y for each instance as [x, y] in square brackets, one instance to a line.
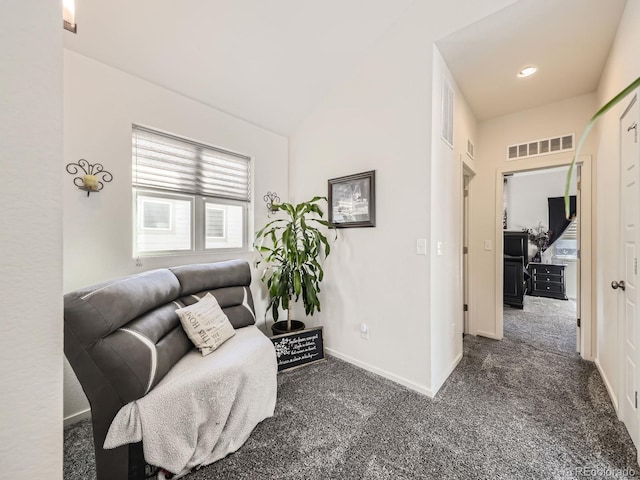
[509, 411]
[544, 323]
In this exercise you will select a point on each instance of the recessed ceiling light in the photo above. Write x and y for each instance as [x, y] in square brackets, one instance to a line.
[527, 71]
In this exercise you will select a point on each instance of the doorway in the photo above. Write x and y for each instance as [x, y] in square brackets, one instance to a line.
[467, 176]
[583, 307]
[541, 262]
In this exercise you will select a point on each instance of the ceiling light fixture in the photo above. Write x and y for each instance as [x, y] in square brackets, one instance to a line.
[69, 16]
[527, 71]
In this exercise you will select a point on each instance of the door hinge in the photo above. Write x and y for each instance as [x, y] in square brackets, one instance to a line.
[636, 399]
[578, 323]
[578, 254]
[465, 308]
[634, 127]
[466, 193]
[579, 185]
[465, 249]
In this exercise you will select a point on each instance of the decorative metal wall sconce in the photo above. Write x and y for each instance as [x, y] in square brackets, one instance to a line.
[271, 199]
[89, 182]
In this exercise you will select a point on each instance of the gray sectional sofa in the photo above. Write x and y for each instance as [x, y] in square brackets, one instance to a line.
[123, 337]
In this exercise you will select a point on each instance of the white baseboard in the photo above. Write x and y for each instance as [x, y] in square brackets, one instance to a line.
[612, 395]
[452, 367]
[76, 417]
[383, 373]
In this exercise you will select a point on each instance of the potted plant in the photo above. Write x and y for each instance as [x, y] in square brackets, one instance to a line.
[292, 247]
[539, 236]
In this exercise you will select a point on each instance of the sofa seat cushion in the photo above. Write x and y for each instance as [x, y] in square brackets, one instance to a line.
[205, 407]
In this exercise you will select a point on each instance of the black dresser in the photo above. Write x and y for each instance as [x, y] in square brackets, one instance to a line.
[515, 268]
[547, 280]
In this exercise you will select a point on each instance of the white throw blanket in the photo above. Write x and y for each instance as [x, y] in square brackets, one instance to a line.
[205, 407]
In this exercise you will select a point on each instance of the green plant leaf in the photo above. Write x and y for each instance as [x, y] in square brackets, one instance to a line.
[290, 209]
[608, 106]
[260, 233]
[315, 209]
[297, 283]
[324, 223]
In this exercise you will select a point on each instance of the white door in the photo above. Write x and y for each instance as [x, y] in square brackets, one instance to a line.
[628, 291]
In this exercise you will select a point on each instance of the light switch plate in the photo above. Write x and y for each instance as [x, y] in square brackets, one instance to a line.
[421, 246]
[488, 245]
[439, 248]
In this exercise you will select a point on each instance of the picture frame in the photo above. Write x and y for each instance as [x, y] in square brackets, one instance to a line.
[352, 200]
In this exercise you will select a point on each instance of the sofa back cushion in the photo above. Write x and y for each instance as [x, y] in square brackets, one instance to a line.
[227, 281]
[128, 328]
[97, 311]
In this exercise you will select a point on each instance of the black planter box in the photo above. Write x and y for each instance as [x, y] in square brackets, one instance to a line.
[299, 348]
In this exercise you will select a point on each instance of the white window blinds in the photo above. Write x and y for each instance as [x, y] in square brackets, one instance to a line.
[166, 162]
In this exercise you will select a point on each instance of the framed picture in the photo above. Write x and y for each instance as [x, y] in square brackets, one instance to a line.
[352, 200]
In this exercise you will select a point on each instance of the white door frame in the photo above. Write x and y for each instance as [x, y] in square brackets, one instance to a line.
[466, 274]
[587, 300]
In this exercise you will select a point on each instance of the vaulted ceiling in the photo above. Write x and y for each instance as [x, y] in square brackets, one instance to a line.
[267, 62]
[271, 62]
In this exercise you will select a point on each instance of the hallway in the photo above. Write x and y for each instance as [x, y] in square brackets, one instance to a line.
[533, 390]
[545, 323]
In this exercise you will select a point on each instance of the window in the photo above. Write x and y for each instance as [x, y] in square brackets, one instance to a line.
[164, 222]
[188, 196]
[156, 215]
[447, 113]
[214, 221]
[566, 247]
[223, 225]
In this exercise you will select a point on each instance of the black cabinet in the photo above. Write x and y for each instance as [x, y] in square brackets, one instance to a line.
[515, 262]
[548, 280]
[514, 282]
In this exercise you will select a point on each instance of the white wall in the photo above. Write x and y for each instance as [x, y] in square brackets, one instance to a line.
[446, 225]
[494, 136]
[379, 118]
[622, 68]
[528, 194]
[100, 105]
[31, 240]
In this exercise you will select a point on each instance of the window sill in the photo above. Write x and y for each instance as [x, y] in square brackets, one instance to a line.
[221, 251]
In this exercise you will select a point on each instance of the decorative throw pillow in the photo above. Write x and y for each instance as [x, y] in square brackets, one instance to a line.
[206, 324]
